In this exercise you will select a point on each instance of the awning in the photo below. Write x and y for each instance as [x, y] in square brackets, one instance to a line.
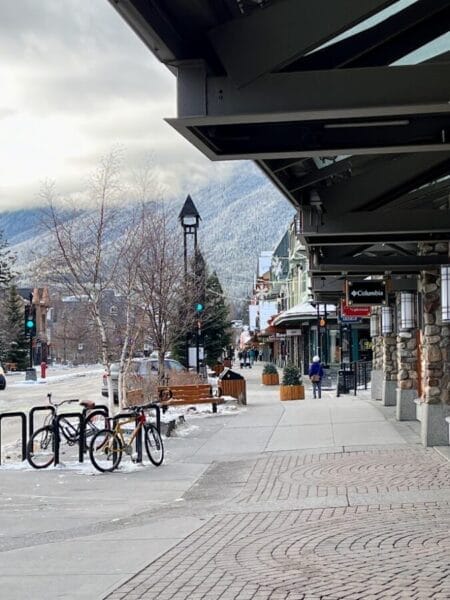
[304, 311]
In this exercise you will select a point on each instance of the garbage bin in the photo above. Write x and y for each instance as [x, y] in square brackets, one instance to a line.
[232, 384]
[346, 382]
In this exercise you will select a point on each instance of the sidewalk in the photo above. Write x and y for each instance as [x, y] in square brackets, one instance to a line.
[311, 499]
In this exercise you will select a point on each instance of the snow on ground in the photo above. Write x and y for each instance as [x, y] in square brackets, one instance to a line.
[95, 370]
[186, 418]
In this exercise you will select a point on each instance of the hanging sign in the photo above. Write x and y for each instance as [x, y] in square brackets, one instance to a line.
[344, 319]
[355, 311]
[366, 293]
[291, 332]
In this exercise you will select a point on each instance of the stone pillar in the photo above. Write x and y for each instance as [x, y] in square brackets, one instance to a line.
[407, 356]
[389, 389]
[436, 359]
[377, 368]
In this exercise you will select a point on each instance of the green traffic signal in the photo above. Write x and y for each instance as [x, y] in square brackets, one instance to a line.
[30, 321]
[199, 307]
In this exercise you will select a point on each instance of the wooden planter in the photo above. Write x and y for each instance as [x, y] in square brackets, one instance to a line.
[292, 392]
[270, 379]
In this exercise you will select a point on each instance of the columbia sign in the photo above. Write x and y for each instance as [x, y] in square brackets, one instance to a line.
[366, 293]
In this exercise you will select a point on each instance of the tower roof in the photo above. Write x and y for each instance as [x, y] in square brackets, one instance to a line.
[189, 210]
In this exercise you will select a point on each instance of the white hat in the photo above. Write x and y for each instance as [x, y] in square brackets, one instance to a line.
[316, 359]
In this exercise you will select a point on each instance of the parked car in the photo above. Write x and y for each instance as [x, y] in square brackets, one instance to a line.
[141, 368]
[2, 379]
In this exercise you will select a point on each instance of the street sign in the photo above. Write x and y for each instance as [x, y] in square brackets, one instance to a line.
[351, 319]
[355, 311]
[366, 293]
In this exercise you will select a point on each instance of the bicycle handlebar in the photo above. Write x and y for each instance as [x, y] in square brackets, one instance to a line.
[70, 401]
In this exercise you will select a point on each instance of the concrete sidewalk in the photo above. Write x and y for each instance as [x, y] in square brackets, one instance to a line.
[223, 515]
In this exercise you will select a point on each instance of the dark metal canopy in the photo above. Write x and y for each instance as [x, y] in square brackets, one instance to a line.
[332, 103]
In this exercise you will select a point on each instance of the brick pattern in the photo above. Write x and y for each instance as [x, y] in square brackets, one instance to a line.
[370, 552]
[335, 554]
[289, 477]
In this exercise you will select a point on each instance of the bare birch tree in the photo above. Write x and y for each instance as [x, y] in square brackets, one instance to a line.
[85, 251]
[160, 278]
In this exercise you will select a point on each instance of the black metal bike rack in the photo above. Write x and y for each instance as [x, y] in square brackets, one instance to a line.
[99, 409]
[158, 416]
[81, 439]
[23, 418]
[36, 409]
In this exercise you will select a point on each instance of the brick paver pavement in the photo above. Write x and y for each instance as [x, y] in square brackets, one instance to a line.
[371, 551]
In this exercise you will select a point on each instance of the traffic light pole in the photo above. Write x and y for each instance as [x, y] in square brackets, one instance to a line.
[31, 351]
[197, 345]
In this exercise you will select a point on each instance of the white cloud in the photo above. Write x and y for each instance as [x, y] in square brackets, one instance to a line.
[75, 82]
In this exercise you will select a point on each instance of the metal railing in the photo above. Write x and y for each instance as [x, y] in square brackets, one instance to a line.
[23, 421]
[352, 376]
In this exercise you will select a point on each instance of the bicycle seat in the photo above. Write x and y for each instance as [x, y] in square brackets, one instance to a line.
[87, 404]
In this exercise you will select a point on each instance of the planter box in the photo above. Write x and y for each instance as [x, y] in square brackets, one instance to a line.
[270, 379]
[292, 392]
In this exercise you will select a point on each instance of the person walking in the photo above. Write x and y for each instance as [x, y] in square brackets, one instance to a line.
[251, 355]
[315, 375]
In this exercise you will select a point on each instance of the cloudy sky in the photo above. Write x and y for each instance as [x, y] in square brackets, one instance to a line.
[76, 81]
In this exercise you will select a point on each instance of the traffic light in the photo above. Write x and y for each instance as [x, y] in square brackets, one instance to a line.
[199, 307]
[30, 320]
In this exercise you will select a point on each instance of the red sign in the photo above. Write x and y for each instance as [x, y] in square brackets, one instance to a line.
[355, 311]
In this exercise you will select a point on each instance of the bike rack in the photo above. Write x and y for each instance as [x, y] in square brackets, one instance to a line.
[23, 418]
[100, 410]
[158, 416]
[31, 415]
[81, 440]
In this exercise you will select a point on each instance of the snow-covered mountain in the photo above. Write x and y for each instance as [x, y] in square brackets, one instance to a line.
[240, 217]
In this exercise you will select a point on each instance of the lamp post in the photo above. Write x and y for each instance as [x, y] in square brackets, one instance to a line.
[189, 219]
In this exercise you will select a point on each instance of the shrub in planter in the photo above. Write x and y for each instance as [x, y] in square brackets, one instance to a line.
[270, 374]
[291, 386]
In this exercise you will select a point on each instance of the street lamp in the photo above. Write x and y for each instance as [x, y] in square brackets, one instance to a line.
[190, 219]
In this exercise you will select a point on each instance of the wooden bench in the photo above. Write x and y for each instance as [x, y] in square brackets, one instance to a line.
[179, 395]
[11, 366]
[134, 397]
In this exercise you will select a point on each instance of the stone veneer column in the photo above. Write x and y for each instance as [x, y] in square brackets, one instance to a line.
[407, 376]
[389, 389]
[376, 385]
[436, 359]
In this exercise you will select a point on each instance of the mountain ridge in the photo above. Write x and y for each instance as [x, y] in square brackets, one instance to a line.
[240, 217]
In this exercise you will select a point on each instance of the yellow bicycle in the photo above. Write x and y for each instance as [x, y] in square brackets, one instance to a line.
[108, 445]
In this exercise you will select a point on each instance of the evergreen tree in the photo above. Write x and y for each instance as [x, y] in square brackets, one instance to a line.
[15, 345]
[216, 323]
[7, 260]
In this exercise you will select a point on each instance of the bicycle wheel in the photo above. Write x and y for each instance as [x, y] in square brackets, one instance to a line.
[41, 448]
[69, 430]
[154, 445]
[94, 423]
[105, 450]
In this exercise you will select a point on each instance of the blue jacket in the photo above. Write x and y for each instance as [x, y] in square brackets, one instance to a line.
[316, 369]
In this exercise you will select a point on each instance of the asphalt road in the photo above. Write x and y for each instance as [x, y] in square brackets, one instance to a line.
[83, 383]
